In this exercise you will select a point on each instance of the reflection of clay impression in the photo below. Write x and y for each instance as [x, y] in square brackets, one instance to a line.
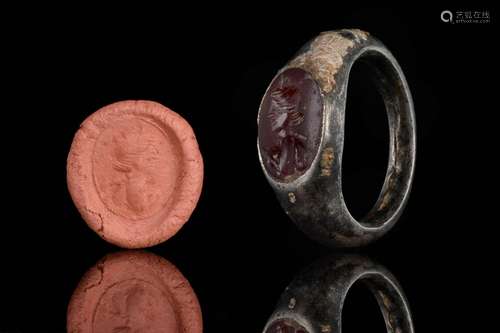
[135, 172]
[134, 306]
[134, 292]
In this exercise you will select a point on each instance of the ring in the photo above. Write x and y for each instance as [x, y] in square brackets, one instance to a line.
[313, 301]
[301, 137]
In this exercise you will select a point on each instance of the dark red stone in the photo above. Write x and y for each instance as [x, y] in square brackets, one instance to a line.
[286, 326]
[290, 124]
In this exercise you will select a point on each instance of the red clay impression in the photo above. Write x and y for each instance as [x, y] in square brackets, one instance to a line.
[135, 173]
[134, 291]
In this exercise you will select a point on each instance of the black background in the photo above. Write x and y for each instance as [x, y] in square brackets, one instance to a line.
[239, 250]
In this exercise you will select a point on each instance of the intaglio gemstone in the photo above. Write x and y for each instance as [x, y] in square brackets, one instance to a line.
[290, 124]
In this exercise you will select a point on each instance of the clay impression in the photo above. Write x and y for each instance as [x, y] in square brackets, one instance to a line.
[135, 172]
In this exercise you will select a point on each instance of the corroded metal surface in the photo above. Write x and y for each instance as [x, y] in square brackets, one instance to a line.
[314, 200]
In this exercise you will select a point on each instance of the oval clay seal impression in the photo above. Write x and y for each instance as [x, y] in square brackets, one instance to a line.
[135, 172]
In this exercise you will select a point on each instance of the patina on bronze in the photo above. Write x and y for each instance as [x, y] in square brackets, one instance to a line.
[301, 137]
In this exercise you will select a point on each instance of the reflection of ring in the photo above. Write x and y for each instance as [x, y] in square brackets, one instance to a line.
[301, 137]
[313, 301]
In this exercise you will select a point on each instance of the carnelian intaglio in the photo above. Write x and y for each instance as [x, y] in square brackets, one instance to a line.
[290, 124]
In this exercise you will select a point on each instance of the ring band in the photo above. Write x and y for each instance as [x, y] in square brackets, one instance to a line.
[301, 137]
[313, 301]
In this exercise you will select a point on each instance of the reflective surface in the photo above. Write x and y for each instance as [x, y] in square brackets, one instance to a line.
[285, 326]
[290, 124]
[134, 292]
[314, 300]
[239, 250]
[139, 292]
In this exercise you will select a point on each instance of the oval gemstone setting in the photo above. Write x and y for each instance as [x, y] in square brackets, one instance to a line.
[290, 124]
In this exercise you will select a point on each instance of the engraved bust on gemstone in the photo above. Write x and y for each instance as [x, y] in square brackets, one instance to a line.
[285, 118]
[290, 124]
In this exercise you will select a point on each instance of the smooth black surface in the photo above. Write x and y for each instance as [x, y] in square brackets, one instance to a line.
[239, 250]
